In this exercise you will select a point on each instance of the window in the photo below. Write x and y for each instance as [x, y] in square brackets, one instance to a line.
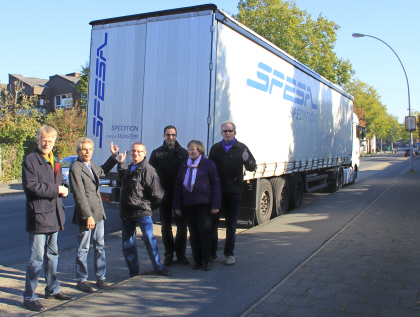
[64, 101]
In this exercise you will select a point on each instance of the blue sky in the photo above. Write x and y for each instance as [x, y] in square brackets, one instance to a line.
[47, 37]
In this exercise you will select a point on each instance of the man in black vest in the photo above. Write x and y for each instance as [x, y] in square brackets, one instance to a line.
[167, 160]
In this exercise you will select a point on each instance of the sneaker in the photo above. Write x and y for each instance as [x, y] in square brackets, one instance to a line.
[102, 283]
[33, 305]
[183, 259]
[164, 272]
[168, 260]
[84, 287]
[230, 260]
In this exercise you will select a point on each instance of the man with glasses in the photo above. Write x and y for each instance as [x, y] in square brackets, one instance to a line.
[43, 183]
[141, 193]
[167, 159]
[230, 157]
[89, 212]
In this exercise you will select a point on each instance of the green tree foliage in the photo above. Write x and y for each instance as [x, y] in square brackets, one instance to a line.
[19, 121]
[70, 125]
[293, 30]
[82, 85]
[394, 131]
[371, 111]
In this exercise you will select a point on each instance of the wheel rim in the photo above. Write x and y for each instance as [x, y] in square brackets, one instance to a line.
[265, 204]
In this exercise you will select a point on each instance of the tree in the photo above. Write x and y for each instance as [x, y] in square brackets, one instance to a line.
[19, 121]
[82, 85]
[394, 131]
[371, 111]
[293, 30]
[70, 125]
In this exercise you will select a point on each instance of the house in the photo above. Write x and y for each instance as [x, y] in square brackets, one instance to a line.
[57, 92]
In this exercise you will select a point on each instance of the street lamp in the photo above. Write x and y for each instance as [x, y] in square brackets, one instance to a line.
[356, 35]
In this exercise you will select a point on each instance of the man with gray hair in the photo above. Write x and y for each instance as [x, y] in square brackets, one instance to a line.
[230, 157]
[89, 212]
[43, 183]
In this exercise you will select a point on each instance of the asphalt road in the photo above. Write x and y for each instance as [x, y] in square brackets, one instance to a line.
[14, 238]
[13, 235]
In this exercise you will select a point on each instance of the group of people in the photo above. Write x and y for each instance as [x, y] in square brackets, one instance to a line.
[175, 179]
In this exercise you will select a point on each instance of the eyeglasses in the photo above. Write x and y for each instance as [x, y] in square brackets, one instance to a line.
[87, 150]
[137, 151]
[226, 131]
[172, 135]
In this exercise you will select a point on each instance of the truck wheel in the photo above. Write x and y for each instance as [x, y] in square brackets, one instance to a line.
[264, 202]
[336, 183]
[354, 174]
[296, 191]
[281, 193]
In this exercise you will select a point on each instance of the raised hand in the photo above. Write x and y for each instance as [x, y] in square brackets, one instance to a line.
[121, 157]
[114, 149]
[245, 155]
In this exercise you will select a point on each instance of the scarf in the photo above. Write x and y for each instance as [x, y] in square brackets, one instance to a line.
[191, 173]
[227, 146]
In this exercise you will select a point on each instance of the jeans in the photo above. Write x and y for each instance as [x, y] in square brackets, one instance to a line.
[43, 249]
[231, 204]
[83, 244]
[129, 244]
[199, 220]
[179, 244]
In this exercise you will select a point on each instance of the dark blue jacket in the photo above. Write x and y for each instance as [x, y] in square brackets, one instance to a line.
[44, 207]
[206, 189]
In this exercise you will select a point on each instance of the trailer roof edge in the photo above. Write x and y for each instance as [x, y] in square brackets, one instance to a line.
[202, 7]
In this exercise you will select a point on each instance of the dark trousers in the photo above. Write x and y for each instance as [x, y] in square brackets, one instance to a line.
[199, 220]
[177, 245]
[231, 204]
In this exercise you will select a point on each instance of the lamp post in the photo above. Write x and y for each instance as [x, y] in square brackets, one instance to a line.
[356, 35]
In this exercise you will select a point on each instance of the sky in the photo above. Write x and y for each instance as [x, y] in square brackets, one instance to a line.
[48, 37]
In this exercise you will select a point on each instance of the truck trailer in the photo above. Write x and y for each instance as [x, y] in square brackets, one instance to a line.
[196, 67]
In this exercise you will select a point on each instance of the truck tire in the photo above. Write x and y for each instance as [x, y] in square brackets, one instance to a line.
[296, 191]
[337, 182]
[281, 194]
[264, 202]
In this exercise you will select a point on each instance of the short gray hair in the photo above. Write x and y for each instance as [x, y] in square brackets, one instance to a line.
[82, 141]
[228, 122]
[47, 131]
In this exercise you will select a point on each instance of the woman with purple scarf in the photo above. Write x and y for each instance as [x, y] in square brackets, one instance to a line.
[198, 194]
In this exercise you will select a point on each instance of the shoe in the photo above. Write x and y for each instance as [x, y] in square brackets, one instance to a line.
[183, 259]
[230, 260]
[168, 260]
[213, 257]
[164, 272]
[196, 265]
[102, 283]
[84, 287]
[33, 305]
[60, 296]
[207, 266]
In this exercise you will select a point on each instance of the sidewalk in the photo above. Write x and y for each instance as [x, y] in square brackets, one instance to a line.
[10, 188]
[306, 263]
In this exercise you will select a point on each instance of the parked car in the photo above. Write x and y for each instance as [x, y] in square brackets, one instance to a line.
[417, 151]
[66, 163]
[407, 152]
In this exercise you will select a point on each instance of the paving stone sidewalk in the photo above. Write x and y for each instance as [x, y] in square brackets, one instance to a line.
[370, 268]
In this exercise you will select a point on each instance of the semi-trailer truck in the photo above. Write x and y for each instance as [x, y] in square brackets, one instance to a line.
[196, 67]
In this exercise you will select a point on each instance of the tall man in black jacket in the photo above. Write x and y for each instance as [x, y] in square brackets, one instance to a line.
[230, 157]
[166, 160]
[42, 181]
